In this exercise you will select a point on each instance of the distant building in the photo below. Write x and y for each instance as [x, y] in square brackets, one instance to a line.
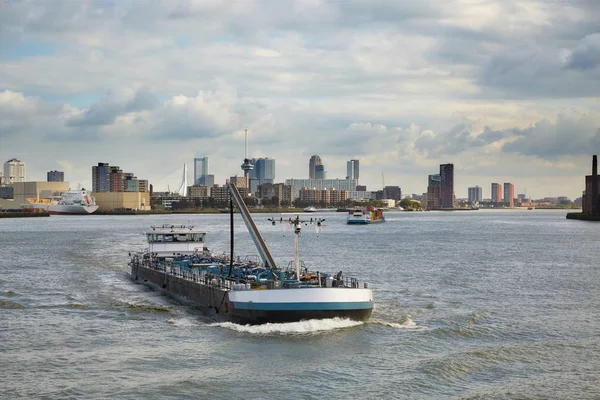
[14, 171]
[361, 188]
[521, 196]
[55, 176]
[320, 172]
[276, 191]
[496, 193]
[509, 194]
[475, 195]
[6, 192]
[200, 171]
[321, 184]
[353, 170]
[115, 189]
[433, 192]
[447, 199]
[37, 190]
[392, 192]
[326, 197]
[591, 196]
[264, 170]
[312, 166]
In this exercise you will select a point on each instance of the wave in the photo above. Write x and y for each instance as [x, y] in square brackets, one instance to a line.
[10, 304]
[182, 322]
[406, 323]
[292, 328]
[8, 293]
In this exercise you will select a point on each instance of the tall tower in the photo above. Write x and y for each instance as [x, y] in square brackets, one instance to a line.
[509, 194]
[247, 165]
[312, 166]
[447, 186]
[352, 170]
[200, 170]
[496, 193]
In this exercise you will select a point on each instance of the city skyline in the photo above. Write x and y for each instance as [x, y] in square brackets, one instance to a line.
[506, 92]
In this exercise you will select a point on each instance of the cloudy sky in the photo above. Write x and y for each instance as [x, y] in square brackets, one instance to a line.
[508, 91]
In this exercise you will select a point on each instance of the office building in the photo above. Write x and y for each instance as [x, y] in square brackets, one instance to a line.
[447, 199]
[433, 192]
[14, 171]
[352, 170]
[200, 170]
[509, 194]
[475, 195]
[312, 167]
[320, 172]
[496, 193]
[392, 192]
[264, 170]
[55, 176]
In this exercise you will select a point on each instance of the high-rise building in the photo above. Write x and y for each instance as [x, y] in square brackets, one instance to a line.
[496, 193]
[200, 170]
[55, 176]
[320, 172]
[101, 178]
[447, 199]
[509, 194]
[433, 192]
[475, 195]
[392, 192]
[14, 171]
[352, 170]
[312, 167]
[264, 170]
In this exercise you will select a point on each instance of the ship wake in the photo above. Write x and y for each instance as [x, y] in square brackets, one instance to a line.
[292, 328]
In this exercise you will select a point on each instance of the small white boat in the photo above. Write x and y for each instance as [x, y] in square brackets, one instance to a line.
[310, 209]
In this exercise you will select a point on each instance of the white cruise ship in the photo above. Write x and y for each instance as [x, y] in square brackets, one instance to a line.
[72, 202]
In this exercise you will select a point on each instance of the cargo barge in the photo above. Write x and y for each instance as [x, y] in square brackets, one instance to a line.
[245, 291]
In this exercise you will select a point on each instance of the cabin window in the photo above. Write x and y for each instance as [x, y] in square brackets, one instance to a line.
[168, 238]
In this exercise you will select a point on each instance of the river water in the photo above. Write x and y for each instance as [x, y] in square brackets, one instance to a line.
[468, 305]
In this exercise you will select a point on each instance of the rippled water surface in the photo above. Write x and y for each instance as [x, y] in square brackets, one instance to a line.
[469, 305]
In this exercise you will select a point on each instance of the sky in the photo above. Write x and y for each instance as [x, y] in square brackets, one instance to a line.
[507, 91]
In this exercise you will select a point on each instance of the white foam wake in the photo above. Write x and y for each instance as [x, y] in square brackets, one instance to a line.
[302, 327]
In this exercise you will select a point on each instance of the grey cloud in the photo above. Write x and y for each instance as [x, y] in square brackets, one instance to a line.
[586, 55]
[548, 140]
[106, 111]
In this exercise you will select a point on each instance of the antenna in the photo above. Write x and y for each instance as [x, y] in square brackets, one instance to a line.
[245, 143]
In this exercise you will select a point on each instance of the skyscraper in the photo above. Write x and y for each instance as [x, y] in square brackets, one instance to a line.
[475, 194]
[14, 171]
[320, 172]
[433, 192]
[200, 170]
[352, 170]
[264, 170]
[447, 199]
[312, 166]
[509, 194]
[496, 193]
